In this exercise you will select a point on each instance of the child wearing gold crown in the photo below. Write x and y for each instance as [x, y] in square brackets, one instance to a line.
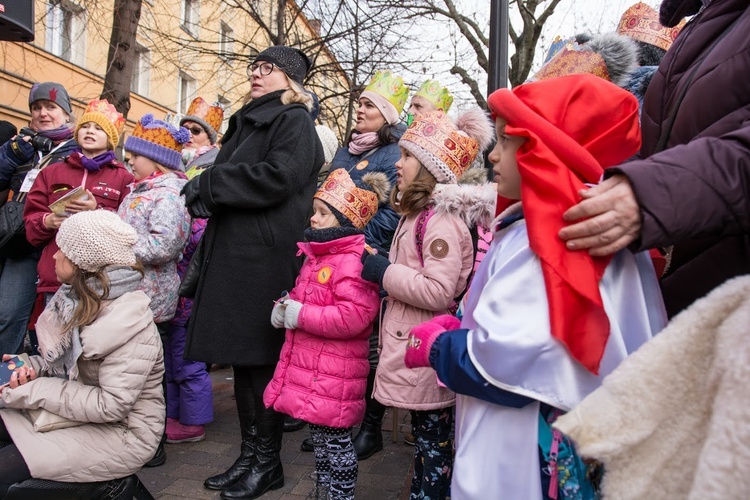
[322, 371]
[92, 167]
[542, 325]
[426, 272]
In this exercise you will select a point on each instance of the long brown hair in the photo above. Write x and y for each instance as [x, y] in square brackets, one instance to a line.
[416, 196]
[89, 301]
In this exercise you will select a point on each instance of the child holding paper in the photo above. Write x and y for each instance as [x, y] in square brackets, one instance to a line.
[92, 166]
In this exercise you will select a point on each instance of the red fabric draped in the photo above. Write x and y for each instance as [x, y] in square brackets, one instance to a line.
[575, 127]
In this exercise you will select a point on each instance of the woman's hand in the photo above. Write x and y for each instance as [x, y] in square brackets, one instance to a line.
[20, 375]
[53, 221]
[81, 204]
[612, 218]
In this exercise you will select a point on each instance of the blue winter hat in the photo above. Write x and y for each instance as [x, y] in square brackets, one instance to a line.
[159, 141]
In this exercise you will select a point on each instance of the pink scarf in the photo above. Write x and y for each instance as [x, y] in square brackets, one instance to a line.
[363, 142]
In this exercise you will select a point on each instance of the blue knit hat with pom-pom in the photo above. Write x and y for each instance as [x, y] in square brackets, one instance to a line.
[159, 141]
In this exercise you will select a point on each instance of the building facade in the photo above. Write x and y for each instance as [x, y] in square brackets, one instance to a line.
[184, 49]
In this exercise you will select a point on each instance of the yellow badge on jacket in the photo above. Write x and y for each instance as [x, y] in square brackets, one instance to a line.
[362, 165]
[324, 275]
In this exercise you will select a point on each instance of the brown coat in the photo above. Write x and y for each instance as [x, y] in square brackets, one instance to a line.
[694, 194]
[118, 392]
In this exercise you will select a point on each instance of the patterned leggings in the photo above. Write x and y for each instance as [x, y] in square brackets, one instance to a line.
[433, 453]
[335, 460]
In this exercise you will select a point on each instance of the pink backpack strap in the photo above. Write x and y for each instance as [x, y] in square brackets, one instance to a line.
[420, 228]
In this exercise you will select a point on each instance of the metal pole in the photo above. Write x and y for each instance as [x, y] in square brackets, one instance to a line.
[498, 53]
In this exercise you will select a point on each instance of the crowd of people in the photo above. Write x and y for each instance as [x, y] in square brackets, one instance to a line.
[338, 282]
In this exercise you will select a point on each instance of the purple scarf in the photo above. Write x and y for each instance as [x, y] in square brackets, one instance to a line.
[97, 162]
[363, 142]
[61, 133]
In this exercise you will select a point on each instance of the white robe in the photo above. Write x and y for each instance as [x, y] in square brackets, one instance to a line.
[510, 344]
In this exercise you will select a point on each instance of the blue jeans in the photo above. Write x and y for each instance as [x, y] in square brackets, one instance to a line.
[17, 293]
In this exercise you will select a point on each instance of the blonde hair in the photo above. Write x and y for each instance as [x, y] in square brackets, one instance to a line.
[295, 93]
[90, 302]
[161, 168]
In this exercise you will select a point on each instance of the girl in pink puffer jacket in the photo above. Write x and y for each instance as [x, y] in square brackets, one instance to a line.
[322, 371]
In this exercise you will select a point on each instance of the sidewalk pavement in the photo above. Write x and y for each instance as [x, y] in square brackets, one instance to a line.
[385, 475]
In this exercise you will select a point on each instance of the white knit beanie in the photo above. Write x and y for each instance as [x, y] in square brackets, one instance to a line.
[329, 141]
[96, 239]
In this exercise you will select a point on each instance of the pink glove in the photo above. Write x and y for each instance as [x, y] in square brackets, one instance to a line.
[423, 336]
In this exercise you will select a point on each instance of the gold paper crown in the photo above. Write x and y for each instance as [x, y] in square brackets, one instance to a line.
[104, 114]
[391, 87]
[213, 115]
[438, 145]
[356, 204]
[573, 59]
[436, 94]
[641, 22]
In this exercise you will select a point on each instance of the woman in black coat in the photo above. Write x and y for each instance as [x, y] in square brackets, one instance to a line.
[257, 199]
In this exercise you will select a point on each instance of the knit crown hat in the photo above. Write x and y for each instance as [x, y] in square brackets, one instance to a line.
[50, 91]
[101, 112]
[97, 238]
[641, 22]
[445, 148]
[388, 92]
[208, 116]
[158, 140]
[436, 94]
[610, 56]
[353, 204]
[291, 61]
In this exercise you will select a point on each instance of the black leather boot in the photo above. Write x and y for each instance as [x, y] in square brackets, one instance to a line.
[266, 472]
[292, 424]
[369, 439]
[246, 412]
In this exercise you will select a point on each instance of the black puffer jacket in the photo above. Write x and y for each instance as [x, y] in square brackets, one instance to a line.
[260, 192]
[696, 193]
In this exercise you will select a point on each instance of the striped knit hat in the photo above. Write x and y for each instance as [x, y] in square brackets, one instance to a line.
[158, 141]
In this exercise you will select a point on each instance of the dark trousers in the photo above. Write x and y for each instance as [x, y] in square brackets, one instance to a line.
[433, 453]
[335, 460]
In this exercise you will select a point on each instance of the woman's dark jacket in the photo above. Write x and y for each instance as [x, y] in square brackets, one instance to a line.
[260, 193]
[696, 193]
[381, 228]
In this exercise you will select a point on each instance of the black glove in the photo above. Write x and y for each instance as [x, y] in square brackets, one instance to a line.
[374, 266]
[21, 150]
[193, 202]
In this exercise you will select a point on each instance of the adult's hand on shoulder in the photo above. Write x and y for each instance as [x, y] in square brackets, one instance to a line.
[607, 219]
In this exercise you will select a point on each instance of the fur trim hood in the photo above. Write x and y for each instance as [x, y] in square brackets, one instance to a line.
[473, 199]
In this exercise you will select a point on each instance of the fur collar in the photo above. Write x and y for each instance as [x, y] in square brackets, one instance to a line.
[473, 199]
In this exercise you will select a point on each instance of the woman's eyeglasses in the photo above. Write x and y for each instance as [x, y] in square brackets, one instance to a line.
[196, 130]
[266, 68]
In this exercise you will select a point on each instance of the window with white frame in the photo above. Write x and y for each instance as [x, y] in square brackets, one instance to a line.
[141, 80]
[185, 92]
[191, 13]
[226, 41]
[66, 30]
[227, 105]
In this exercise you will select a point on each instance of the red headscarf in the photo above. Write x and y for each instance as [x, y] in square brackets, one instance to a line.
[575, 126]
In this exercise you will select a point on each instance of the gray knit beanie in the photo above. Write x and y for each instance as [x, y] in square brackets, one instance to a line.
[50, 91]
[95, 239]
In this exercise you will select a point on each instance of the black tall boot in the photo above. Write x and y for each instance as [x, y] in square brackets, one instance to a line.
[246, 412]
[266, 472]
[369, 440]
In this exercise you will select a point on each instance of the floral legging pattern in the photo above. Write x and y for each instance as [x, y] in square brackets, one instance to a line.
[433, 453]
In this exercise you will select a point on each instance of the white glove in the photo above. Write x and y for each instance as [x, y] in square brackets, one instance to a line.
[291, 315]
[279, 310]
